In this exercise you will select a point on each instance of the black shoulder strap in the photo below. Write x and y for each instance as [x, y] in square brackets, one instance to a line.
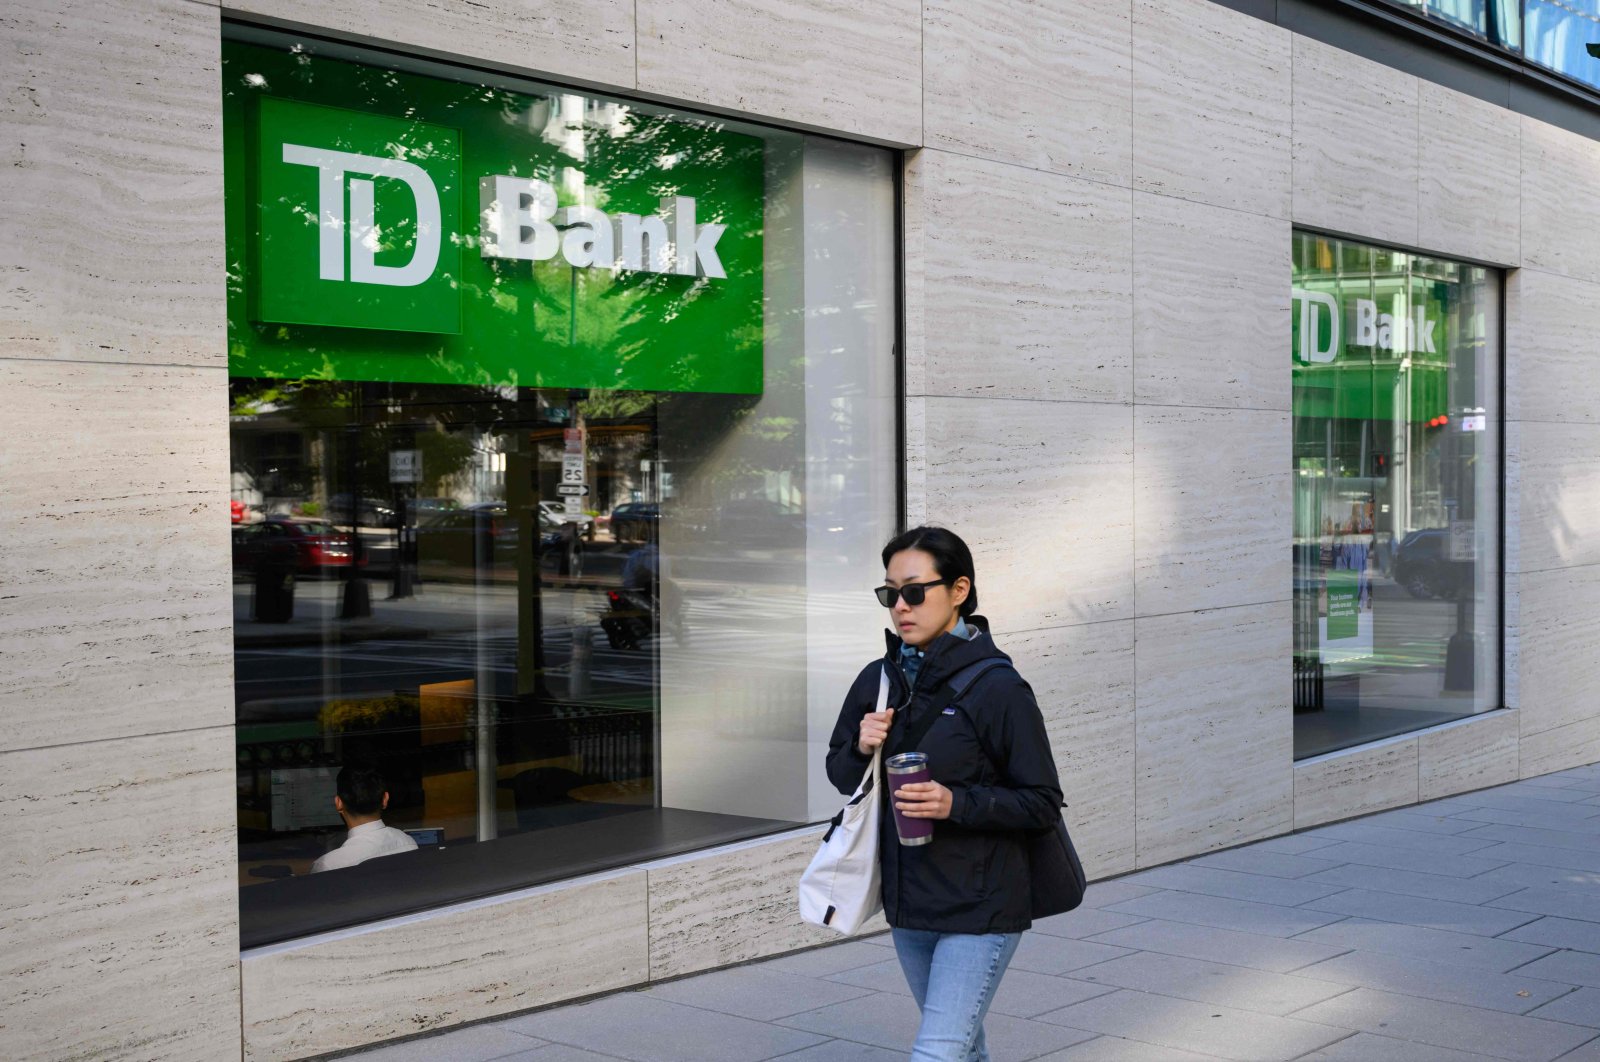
[953, 689]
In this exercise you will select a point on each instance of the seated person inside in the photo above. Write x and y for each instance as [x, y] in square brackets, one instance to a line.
[360, 797]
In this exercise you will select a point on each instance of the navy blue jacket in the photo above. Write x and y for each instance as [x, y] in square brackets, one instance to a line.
[973, 877]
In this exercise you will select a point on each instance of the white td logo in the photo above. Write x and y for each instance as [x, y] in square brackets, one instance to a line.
[362, 226]
[517, 216]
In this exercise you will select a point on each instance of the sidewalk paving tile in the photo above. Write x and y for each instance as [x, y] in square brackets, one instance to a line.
[1539, 792]
[1105, 893]
[1117, 1049]
[1273, 864]
[820, 962]
[1421, 820]
[845, 1051]
[1203, 1027]
[1514, 993]
[756, 992]
[1366, 1047]
[1273, 954]
[1492, 798]
[1059, 955]
[476, 1043]
[1238, 987]
[1420, 942]
[1524, 875]
[1577, 1008]
[1579, 817]
[1559, 933]
[1452, 1025]
[1289, 844]
[891, 1021]
[1415, 883]
[1589, 1052]
[1573, 967]
[1419, 911]
[1546, 856]
[631, 1025]
[1223, 913]
[1556, 831]
[553, 1053]
[1084, 922]
[1410, 840]
[1236, 885]
[1022, 993]
[1459, 866]
[1577, 903]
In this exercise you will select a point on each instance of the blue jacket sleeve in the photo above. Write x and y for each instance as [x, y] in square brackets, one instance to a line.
[1027, 792]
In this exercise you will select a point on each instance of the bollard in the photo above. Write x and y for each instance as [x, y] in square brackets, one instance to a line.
[578, 663]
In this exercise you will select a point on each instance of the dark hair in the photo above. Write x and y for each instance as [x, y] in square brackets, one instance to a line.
[360, 786]
[951, 557]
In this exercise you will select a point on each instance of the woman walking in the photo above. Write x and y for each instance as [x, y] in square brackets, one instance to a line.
[957, 905]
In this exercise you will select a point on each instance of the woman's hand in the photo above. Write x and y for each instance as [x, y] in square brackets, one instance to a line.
[923, 800]
[874, 728]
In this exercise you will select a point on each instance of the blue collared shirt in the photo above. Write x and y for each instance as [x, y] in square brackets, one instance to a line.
[911, 659]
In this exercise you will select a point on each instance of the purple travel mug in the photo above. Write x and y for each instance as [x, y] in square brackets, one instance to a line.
[906, 769]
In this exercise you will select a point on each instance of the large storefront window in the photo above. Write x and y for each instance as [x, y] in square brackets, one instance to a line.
[1396, 479]
[1559, 34]
[562, 445]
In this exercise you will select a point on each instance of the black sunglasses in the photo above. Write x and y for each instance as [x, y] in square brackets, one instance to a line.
[914, 593]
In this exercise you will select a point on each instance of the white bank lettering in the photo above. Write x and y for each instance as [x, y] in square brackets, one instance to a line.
[362, 227]
[520, 220]
[1369, 328]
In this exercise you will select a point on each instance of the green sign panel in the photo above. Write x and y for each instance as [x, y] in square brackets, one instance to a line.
[1344, 610]
[393, 226]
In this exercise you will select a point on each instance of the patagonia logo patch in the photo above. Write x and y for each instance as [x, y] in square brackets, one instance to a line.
[948, 711]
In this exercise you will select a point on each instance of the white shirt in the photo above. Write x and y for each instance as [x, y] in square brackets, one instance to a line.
[367, 841]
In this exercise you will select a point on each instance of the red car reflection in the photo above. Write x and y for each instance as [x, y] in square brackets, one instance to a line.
[308, 546]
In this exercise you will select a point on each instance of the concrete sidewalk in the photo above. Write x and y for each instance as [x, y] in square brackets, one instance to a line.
[1463, 929]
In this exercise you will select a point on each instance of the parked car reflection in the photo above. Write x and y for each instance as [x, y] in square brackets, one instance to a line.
[1423, 566]
[308, 547]
[635, 521]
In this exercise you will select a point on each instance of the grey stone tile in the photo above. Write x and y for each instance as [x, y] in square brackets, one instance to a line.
[1573, 967]
[1534, 791]
[1293, 844]
[1545, 856]
[1117, 1049]
[1057, 955]
[1365, 832]
[1589, 1052]
[885, 976]
[1233, 884]
[891, 1022]
[820, 962]
[1514, 993]
[1460, 866]
[757, 993]
[1105, 893]
[1420, 911]
[1365, 1047]
[1513, 801]
[1522, 875]
[478, 1043]
[1224, 913]
[557, 1053]
[1417, 822]
[1464, 949]
[1084, 922]
[1579, 817]
[1204, 1027]
[1209, 982]
[634, 1026]
[1582, 904]
[1257, 859]
[1566, 837]
[1561, 780]
[1451, 1025]
[1577, 1008]
[1412, 883]
[845, 1051]
[1273, 954]
[1559, 933]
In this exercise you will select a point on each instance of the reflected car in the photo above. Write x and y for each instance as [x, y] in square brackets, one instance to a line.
[1422, 566]
[557, 512]
[635, 521]
[456, 544]
[310, 547]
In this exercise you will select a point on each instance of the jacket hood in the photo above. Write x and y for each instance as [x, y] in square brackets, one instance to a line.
[947, 654]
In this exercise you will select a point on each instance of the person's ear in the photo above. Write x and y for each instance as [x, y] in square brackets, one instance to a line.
[960, 589]
[338, 805]
[385, 805]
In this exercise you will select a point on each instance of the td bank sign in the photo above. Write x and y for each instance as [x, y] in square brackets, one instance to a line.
[360, 224]
[1394, 326]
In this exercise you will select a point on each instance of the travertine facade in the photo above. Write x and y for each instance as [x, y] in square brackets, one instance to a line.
[1081, 195]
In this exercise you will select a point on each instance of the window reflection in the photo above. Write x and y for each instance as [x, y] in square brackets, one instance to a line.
[1396, 480]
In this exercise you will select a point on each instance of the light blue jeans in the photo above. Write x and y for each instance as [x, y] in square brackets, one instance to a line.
[953, 977]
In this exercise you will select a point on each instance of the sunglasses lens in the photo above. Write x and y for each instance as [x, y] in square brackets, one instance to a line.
[886, 596]
[914, 594]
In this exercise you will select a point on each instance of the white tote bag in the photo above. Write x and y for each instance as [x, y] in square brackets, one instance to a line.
[841, 888]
